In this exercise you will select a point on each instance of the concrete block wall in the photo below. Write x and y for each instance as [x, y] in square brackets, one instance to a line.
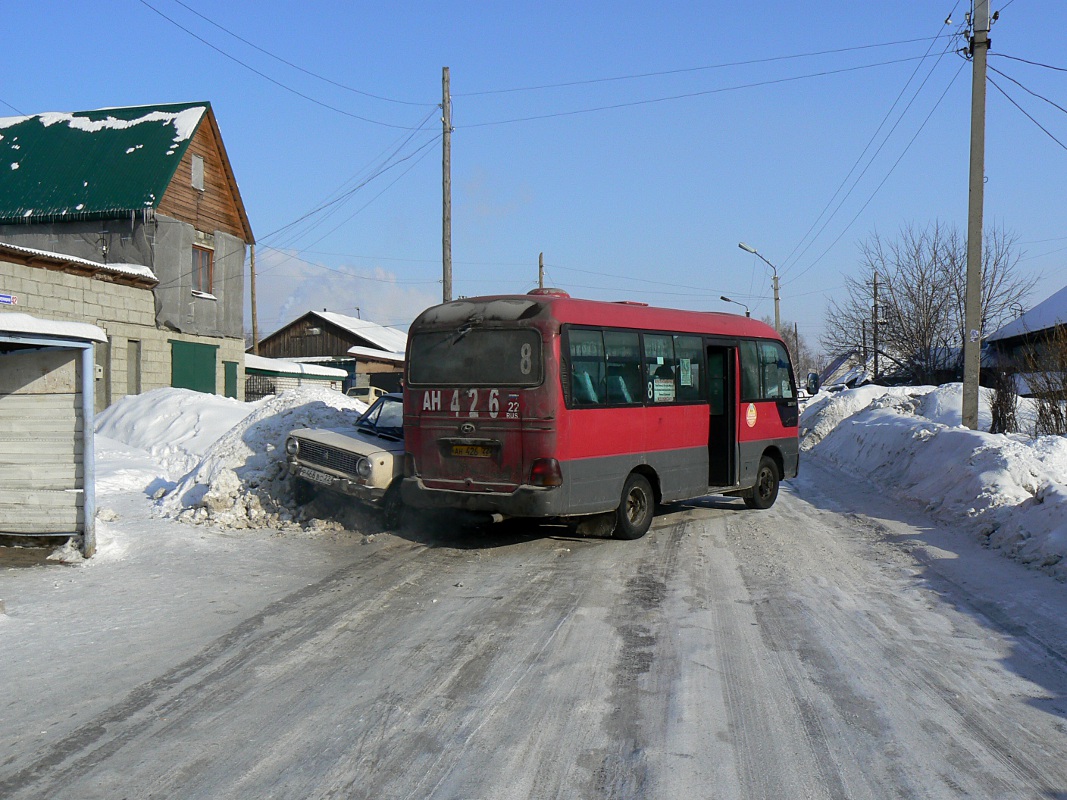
[126, 313]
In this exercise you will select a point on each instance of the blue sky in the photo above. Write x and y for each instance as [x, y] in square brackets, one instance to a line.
[633, 144]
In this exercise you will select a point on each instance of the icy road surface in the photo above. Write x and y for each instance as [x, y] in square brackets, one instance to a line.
[809, 651]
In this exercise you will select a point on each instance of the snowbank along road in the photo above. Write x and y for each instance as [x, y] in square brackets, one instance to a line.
[809, 651]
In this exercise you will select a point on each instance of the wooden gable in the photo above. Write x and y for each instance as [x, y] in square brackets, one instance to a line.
[219, 205]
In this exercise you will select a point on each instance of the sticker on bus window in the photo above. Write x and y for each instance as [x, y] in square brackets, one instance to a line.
[685, 372]
[662, 390]
[750, 415]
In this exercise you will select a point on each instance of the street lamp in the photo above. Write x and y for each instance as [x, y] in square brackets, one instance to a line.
[728, 300]
[774, 269]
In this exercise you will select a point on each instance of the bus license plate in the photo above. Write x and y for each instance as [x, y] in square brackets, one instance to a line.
[315, 476]
[474, 450]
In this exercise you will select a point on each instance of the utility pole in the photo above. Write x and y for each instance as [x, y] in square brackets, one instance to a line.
[774, 281]
[874, 323]
[252, 290]
[541, 271]
[972, 341]
[446, 189]
[777, 311]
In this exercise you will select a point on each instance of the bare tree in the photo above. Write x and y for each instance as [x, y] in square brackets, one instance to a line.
[921, 276]
[1045, 363]
[1005, 403]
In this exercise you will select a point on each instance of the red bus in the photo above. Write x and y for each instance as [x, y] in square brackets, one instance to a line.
[544, 405]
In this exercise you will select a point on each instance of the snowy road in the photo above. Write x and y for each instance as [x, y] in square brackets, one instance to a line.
[803, 652]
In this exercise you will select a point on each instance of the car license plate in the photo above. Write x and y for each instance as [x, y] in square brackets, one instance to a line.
[473, 450]
[315, 476]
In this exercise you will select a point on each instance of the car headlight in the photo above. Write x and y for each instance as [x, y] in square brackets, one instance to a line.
[364, 468]
[292, 446]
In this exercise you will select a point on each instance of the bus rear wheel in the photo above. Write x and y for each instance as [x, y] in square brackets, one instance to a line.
[765, 492]
[634, 516]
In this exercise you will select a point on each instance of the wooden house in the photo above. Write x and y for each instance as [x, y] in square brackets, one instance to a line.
[371, 354]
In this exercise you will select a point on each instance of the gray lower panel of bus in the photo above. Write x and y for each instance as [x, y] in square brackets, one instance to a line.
[594, 485]
[752, 452]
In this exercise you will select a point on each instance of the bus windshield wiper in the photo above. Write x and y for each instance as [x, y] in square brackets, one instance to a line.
[461, 333]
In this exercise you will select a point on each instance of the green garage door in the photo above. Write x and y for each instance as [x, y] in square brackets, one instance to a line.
[192, 366]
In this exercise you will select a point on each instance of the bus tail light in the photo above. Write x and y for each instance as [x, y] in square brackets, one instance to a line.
[546, 472]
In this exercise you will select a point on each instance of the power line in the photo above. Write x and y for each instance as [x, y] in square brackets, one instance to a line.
[892, 169]
[786, 263]
[384, 167]
[1026, 114]
[323, 78]
[683, 70]
[1027, 61]
[424, 150]
[263, 75]
[688, 95]
[1029, 91]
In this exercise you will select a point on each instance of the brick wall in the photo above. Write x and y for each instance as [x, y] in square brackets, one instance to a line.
[126, 313]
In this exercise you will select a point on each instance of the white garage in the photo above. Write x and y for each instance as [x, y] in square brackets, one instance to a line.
[47, 474]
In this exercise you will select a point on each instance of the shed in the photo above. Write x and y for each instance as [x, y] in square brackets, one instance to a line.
[264, 376]
[371, 354]
[47, 470]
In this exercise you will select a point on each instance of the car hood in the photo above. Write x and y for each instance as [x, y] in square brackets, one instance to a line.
[353, 441]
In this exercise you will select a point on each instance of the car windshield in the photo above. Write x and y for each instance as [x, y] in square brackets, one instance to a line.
[384, 418]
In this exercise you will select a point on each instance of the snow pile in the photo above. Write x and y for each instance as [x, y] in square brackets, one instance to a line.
[909, 441]
[175, 426]
[219, 460]
[241, 481]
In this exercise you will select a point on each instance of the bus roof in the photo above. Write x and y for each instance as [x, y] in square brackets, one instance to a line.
[561, 307]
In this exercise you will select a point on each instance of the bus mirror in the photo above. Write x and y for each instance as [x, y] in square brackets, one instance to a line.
[813, 382]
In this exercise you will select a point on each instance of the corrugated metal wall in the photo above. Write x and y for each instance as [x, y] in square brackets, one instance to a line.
[41, 445]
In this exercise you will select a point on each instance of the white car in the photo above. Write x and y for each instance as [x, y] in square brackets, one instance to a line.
[365, 462]
[368, 394]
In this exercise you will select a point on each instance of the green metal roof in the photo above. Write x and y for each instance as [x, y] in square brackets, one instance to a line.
[92, 164]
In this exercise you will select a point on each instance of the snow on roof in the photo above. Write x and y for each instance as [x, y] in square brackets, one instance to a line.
[380, 355]
[290, 367]
[1046, 314]
[184, 121]
[392, 340]
[19, 323]
[134, 270]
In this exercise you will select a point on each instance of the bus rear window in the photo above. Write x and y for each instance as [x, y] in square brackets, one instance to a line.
[475, 357]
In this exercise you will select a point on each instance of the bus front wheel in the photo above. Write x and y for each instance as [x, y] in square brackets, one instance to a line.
[634, 516]
[765, 492]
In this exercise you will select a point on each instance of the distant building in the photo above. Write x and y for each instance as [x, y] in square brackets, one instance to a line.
[265, 376]
[1027, 336]
[1031, 327]
[129, 219]
[371, 354]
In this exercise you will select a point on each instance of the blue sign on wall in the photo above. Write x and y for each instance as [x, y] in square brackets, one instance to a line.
[8, 300]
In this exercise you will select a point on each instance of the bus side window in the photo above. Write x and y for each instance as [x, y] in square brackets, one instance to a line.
[624, 367]
[765, 371]
[689, 350]
[660, 379]
[750, 371]
[587, 366]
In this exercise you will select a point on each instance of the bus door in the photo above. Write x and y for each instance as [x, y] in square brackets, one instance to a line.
[722, 431]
